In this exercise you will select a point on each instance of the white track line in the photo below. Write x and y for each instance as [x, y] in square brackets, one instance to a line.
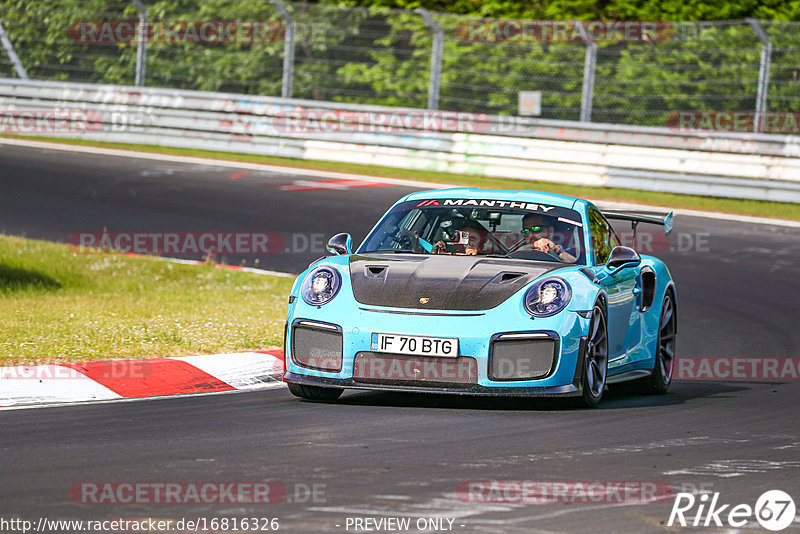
[329, 174]
[140, 399]
[218, 163]
[697, 213]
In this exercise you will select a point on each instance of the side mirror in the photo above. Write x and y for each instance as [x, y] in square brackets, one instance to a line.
[622, 258]
[340, 244]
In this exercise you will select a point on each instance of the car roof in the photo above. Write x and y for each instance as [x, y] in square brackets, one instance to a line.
[540, 197]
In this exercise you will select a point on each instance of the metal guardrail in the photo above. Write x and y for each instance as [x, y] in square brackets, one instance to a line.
[753, 166]
[631, 72]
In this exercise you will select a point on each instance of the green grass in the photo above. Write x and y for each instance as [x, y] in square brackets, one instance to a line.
[59, 305]
[778, 210]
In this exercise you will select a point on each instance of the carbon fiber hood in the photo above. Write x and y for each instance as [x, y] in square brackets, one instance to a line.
[448, 282]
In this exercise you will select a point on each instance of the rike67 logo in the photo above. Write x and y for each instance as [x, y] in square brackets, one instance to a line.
[774, 510]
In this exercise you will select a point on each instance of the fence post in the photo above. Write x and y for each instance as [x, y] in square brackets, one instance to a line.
[587, 93]
[12, 54]
[436, 58]
[763, 74]
[141, 42]
[288, 48]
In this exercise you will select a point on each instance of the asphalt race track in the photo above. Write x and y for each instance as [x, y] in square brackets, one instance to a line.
[380, 455]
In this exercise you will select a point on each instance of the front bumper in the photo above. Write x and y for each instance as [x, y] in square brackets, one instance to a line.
[474, 332]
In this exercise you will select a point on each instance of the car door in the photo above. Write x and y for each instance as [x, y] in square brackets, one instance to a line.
[622, 312]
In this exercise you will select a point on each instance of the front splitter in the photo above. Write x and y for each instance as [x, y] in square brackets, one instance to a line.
[570, 390]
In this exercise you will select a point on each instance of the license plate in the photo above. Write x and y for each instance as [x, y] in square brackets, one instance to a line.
[415, 345]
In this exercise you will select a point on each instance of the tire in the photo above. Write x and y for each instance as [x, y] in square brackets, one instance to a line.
[595, 363]
[315, 392]
[664, 364]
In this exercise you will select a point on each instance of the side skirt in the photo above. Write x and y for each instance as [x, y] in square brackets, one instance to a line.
[628, 375]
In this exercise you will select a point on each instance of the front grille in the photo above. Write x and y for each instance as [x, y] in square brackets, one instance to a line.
[427, 371]
[317, 347]
[522, 359]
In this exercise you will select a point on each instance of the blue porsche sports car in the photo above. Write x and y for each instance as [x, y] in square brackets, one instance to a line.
[484, 292]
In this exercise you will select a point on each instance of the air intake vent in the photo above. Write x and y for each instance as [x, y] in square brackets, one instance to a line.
[317, 346]
[375, 271]
[522, 357]
[508, 277]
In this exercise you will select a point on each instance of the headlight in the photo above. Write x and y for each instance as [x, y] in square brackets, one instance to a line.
[320, 286]
[547, 297]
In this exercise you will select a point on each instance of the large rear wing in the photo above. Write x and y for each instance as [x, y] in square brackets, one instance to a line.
[636, 218]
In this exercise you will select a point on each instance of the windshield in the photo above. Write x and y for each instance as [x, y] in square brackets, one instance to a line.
[480, 227]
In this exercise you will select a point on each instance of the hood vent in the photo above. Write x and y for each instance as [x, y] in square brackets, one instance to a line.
[508, 277]
[375, 271]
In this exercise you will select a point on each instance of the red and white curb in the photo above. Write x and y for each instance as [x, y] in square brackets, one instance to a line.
[53, 384]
